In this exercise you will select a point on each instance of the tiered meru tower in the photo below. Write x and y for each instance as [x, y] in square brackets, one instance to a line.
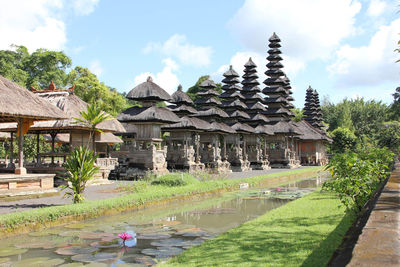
[256, 154]
[312, 109]
[281, 145]
[212, 142]
[147, 152]
[232, 104]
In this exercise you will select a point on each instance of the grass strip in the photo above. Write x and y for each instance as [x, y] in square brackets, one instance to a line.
[304, 232]
[36, 218]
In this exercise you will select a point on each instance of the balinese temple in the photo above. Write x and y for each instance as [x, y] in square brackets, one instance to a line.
[183, 142]
[79, 134]
[312, 109]
[213, 149]
[232, 104]
[147, 153]
[281, 146]
[256, 144]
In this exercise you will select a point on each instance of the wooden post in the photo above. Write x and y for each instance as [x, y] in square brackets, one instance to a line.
[53, 137]
[20, 169]
[37, 149]
[11, 164]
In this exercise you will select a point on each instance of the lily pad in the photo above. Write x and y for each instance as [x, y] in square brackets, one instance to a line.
[146, 260]
[74, 264]
[191, 243]
[69, 233]
[130, 265]
[94, 235]
[78, 225]
[70, 251]
[96, 264]
[104, 244]
[162, 252]
[101, 256]
[37, 244]
[171, 242]
[5, 252]
[45, 233]
[39, 261]
[154, 236]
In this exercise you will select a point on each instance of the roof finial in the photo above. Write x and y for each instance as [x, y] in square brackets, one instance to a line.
[180, 87]
[149, 79]
[52, 86]
[230, 67]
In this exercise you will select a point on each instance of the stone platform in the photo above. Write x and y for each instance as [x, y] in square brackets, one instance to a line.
[13, 183]
[379, 243]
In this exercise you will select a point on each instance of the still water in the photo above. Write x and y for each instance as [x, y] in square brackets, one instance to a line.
[157, 233]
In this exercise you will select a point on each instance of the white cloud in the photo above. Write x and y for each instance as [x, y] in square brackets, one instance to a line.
[84, 7]
[368, 65]
[34, 24]
[308, 29]
[166, 78]
[95, 67]
[376, 8]
[38, 24]
[178, 46]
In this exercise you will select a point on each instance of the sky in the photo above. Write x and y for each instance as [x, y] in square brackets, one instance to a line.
[342, 48]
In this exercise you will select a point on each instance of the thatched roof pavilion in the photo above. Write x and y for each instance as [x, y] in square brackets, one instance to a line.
[183, 104]
[18, 104]
[148, 92]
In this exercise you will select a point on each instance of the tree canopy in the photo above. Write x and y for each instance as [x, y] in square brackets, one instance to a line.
[192, 91]
[43, 66]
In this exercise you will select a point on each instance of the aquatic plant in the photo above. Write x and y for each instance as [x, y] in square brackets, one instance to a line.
[124, 236]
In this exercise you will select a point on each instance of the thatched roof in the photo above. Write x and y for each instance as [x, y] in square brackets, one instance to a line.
[148, 114]
[221, 127]
[189, 123]
[108, 138]
[180, 97]
[182, 109]
[148, 91]
[18, 102]
[311, 133]
[243, 128]
[286, 127]
[211, 112]
[264, 129]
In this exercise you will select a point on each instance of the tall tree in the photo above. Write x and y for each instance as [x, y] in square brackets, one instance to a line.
[192, 91]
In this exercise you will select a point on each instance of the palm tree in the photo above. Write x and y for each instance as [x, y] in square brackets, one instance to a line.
[93, 117]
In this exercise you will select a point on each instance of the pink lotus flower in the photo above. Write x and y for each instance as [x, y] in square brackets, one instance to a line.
[124, 236]
[278, 189]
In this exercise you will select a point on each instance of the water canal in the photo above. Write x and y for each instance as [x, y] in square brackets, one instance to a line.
[157, 233]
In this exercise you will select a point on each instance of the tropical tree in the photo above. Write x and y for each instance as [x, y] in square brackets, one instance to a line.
[80, 167]
[344, 140]
[298, 114]
[192, 91]
[390, 136]
[92, 117]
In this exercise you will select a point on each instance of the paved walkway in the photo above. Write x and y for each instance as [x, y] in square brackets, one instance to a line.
[97, 192]
[379, 243]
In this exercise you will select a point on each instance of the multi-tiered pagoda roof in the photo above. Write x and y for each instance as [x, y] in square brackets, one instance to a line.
[312, 109]
[278, 87]
[183, 104]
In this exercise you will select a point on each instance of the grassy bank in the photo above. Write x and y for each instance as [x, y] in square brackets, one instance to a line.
[304, 232]
[25, 221]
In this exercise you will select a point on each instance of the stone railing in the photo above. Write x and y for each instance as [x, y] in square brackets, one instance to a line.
[107, 162]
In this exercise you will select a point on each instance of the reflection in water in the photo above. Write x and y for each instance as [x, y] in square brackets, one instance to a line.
[157, 233]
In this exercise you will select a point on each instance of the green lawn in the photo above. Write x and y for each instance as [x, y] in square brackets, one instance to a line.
[304, 232]
[37, 218]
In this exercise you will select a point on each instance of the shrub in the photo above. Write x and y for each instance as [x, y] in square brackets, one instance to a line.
[356, 176]
[344, 140]
[175, 179]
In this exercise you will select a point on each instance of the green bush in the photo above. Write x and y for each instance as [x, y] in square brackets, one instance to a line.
[344, 140]
[175, 179]
[356, 176]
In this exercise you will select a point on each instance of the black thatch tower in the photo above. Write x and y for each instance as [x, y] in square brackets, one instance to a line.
[277, 85]
[183, 104]
[312, 109]
[252, 99]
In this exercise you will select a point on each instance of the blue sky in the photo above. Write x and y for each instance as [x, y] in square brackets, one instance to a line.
[342, 48]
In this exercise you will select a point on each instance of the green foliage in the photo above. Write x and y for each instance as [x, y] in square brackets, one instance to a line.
[92, 117]
[395, 106]
[80, 167]
[356, 176]
[344, 140]
[192, 91]
[298, 114]
[92, 91]
[175, 179]
[363, 118]
[304, 232]
[43, 66]
[390, 136]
